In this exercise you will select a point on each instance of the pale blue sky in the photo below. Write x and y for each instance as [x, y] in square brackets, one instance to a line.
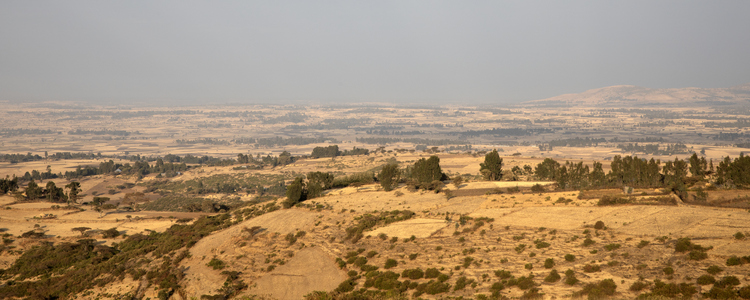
[363, 51]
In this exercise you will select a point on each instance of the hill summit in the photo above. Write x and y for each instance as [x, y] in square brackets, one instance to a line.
[636, 96]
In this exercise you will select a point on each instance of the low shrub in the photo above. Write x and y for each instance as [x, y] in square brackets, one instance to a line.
[552, 277]
[602, 289]
[638, 286]
[216, 264]
[549, 263]
[670, 290]
[697, 255]
[570, 277]
[461, 283]
[599, 225]
[668, 271]
[706, 280]
[503, 274]
[431, 273]
[110, 233]
[538, 188]
[413, 274]
[591, 268]
[714, 269]
[390, 263]
[612, 247]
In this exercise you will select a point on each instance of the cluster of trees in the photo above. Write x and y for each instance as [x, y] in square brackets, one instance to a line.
[654, 149]
[424, 174]
[291, 117]
[36, 175]
[205, 141]
[51, 192]
[137, 168]
[102, 132]
[574, 142]
[299, 190]
[637, 172]
[280, 142]
[333, 151]
[734, 171]
[8, 132]
[283, 159]
[387, 140]
[8, 185]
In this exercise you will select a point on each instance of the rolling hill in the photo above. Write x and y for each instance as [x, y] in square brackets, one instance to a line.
[635, 96]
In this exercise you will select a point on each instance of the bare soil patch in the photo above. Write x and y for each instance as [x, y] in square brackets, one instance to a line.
[311, 269]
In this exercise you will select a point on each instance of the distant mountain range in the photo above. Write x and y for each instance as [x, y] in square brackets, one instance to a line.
[635, 96]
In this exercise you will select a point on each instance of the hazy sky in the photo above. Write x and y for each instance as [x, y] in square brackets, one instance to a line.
[363, 51]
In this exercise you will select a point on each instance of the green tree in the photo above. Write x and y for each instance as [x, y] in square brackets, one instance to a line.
[547, 169]
[426, 173]
[317, 182]
[492, 167]
[285, 158]
[389, 176]
[53, 193]
[597, 177]
[698, 166]
[330, 151]
[295, 192]
[33, 191]
[74, 188]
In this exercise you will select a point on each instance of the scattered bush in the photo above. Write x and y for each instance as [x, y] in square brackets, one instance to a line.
[552, 277]
[638, 286]
[570, 257]
[610, 200]
[462, 282]
[591, 268]
[541, 244]
[612, 247]
[727, 281]
[431, 273]
[110, 233]
[346, 286]
[714, 269]
[697, 255]
[706, 280]
[216, 264]
[737, 261]
[685, 245]
[549, 263]
[413, 274]
[503, 274]
[390, 263]
[670, 290]
[668, 271]
[606, 287]
[538, 188]
[599, 225]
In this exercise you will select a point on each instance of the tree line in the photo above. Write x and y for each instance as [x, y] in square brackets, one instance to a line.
[333, 151]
